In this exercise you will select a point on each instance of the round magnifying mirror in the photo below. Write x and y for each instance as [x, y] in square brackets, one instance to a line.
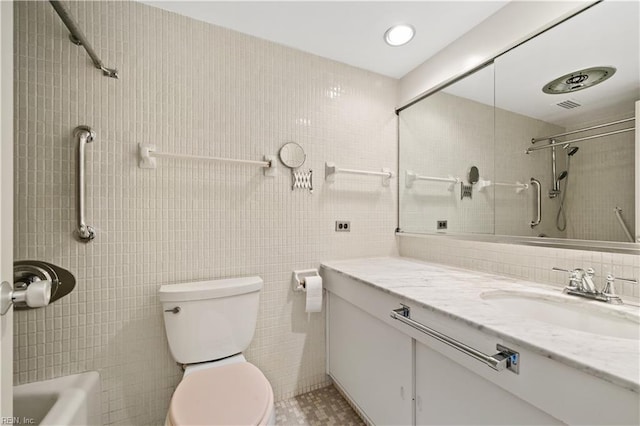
[292, 155]
[474, 175]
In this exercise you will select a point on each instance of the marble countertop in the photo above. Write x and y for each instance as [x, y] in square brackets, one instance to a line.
[456, 293]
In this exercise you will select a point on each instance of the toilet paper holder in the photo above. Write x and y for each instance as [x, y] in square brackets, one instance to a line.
[299, 277]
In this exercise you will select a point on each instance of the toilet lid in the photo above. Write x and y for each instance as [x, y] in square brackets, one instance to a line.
[234, 394]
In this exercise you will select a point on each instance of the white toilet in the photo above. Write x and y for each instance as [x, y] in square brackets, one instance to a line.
[208, 325]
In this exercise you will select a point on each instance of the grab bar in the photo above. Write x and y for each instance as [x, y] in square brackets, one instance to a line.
[538, 219]
[85, 135]
[506, 358]
[625, 228]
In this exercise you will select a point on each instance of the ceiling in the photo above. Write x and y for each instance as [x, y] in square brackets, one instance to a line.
[348, 32]
[607, 34]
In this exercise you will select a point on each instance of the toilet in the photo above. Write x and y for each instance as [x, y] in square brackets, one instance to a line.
[208, 325]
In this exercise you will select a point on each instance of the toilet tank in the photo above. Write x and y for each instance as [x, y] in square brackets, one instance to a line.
[209, 320]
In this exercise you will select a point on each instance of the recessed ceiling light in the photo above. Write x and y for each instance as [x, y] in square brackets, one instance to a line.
[399, 34]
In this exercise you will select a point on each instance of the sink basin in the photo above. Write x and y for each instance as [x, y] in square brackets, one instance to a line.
[567, 312]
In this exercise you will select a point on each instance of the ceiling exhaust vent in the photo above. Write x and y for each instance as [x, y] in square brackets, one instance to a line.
[568, 104]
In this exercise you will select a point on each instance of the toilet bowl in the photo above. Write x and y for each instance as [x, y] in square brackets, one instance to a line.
[208, 325]
[235, 393]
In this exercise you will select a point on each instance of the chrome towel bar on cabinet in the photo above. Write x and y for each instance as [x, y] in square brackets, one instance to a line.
[505, 359]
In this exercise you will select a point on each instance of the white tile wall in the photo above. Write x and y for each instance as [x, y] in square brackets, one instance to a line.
[187, 87]
[514, 212]
[444, 135]
[525, 262]
[601, 177]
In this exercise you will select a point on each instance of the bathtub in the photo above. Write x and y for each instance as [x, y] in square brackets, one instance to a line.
[67, 400]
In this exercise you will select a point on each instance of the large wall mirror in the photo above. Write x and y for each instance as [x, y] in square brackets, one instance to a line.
[549, 127]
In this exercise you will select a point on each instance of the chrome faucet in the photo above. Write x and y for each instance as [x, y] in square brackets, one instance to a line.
[581, 284]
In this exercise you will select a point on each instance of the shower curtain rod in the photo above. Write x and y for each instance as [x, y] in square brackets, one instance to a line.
[570, 141]
[77, 37]
[599, 126]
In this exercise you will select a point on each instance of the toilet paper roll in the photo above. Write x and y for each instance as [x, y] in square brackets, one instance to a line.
[313, 286]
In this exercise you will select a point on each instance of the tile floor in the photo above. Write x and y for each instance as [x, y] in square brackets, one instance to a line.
[320, 407]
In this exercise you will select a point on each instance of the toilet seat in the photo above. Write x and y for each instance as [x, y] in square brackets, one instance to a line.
[234, 394]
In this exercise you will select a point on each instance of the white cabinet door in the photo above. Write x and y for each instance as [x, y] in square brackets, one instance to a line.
[371, 362]
[448, 393]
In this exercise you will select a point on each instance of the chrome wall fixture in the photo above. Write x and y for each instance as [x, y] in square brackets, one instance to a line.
[36, 285]
[538, 219]
[84, 135]
[77, 37]
[553, 142]
[623, 225]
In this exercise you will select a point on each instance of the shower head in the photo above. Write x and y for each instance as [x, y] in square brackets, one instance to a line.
[562, 175]
[572, 151]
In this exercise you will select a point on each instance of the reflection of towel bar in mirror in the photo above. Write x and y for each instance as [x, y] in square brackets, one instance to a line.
[411, 177]
[331, 170]
[519, 186]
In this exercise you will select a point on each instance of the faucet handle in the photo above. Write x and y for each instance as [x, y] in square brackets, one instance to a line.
[609, 288]
[575, 277]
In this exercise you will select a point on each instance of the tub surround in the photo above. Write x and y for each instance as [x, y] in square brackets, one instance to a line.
[455, 293]
[67, 400]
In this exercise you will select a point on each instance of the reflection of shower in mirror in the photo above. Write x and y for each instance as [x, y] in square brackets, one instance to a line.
[561, 217]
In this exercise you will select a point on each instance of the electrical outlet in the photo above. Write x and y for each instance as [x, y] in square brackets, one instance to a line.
[343, 226]
[442, 224]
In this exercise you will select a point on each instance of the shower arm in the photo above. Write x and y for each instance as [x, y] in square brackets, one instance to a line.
[77, 37]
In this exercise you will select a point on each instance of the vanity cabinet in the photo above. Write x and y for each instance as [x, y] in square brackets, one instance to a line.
[371, 362]
[448, 394]
[398, 375]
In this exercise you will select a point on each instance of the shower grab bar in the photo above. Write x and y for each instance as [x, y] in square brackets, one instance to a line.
[85, 135]
[411, 177]
[625, 228]
[77, 37]
[586, 138]
[536, 222]
[331, 170]
[504, 359]
[573, 132]
[148, 155]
